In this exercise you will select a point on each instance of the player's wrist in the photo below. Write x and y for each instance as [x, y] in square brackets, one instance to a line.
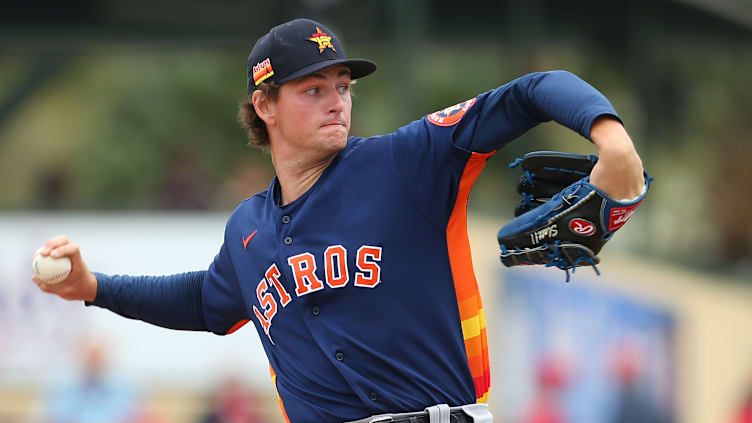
[90, 291]
[618, 179]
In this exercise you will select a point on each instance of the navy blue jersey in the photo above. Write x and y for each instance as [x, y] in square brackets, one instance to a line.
[353, 287]
[362, 290]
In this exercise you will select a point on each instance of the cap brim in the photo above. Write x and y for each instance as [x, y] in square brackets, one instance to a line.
[358, 68]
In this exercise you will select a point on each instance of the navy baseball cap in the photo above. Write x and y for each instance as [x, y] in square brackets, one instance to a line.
[298, 48]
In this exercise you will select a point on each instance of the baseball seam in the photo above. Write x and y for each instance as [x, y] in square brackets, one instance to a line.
[56, 277]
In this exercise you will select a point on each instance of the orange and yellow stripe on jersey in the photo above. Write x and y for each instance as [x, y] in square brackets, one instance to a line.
[466, 286]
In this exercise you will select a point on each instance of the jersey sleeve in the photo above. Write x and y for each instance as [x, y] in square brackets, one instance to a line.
[432, 153]
[510, 110]
[204, 300]
[223, 306]
[172, 301]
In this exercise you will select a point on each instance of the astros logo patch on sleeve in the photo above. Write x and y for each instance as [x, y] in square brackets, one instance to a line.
[451, 115]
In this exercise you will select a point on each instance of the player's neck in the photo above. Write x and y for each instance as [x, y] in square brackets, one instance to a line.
[296, 178]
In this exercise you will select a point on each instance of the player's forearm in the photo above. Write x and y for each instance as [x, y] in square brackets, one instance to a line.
[619, 171]
[169, 301]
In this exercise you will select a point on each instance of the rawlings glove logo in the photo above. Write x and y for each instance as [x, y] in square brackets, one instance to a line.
[619, 216]
[582, 227]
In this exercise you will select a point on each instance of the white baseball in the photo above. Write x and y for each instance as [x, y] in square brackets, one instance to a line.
[51, 270]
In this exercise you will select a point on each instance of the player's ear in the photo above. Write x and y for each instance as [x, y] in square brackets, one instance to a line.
[264, 106]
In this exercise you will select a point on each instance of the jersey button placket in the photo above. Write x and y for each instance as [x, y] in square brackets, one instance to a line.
[315, 311]
[373, 396]
[285, 219]
[339, 356]
[287, 240]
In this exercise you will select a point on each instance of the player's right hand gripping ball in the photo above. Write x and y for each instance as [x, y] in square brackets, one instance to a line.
[563, 221]
[50, 270]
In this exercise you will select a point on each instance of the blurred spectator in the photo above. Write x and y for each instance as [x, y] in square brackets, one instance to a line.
[730, 211]
[552, 378]
[744, 415]
[184, 187]
[52, 186]
[246, 179]
[145, 412]
[233, 402]
[633, 403]
[91, 397]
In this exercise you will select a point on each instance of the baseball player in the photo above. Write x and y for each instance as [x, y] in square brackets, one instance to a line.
[354, 265]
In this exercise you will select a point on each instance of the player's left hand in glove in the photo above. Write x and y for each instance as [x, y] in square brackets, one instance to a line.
[563, 228]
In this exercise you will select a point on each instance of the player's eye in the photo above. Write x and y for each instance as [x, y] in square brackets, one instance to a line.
[312, 91]
[342, 89]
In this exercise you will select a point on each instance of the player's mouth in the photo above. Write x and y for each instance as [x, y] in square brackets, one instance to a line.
[333, 123]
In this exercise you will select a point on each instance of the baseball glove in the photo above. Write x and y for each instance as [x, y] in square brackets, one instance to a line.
[562, 221]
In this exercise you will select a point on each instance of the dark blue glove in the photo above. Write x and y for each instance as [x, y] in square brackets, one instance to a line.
[556, 227]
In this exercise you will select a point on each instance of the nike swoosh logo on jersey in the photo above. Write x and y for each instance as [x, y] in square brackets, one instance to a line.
[248, 239]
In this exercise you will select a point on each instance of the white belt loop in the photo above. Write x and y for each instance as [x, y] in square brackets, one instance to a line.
[438, 413]
[479, 412]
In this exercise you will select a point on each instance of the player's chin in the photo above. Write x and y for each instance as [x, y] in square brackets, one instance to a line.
[336, 137]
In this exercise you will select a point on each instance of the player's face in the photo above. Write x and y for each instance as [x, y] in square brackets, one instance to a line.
[314, 112]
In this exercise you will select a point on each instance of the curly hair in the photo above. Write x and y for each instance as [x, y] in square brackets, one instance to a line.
[255, 126]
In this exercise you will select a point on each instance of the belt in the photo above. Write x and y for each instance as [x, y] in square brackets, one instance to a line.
[421, 417]
[471, 413]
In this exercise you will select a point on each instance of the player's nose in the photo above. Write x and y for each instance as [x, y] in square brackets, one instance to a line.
[336, 101]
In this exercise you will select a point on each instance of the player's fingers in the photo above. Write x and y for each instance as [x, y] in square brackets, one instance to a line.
[53, 243]
[47, 288]
[43, 286]
[68, 249]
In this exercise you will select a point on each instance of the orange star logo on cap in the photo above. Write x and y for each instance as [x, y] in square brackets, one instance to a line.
[323, 39]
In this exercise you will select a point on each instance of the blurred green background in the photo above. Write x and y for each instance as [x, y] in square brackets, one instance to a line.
[117, 105]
